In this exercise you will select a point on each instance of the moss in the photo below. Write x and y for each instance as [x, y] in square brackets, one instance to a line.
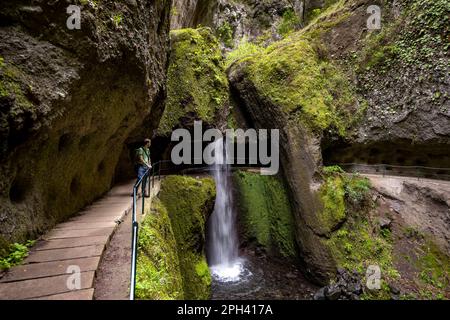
[434, 269]
[295, 76]
[266, 212]
[332, 195]
[354, 237]
[158, 271]
[11, 86]
[171, 261]
[188, 201]
[245, 49]
[313, 14]
[197, 85]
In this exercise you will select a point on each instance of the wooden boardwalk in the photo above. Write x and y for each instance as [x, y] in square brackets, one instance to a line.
[77, 243]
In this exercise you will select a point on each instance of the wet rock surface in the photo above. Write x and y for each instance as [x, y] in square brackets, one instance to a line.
[265, 278]
[347, 287]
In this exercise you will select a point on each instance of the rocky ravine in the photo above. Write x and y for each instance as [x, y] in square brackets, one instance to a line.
[69, 101]
[332, 90]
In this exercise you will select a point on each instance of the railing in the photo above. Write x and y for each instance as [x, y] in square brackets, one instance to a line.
[396, 170]
[148, 178]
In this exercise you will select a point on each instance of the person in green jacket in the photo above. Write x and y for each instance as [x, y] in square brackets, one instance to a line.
[143, 161]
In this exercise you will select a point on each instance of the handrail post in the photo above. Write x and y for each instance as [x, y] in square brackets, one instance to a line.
[133, 246]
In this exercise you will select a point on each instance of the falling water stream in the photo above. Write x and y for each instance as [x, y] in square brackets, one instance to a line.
[223, 255]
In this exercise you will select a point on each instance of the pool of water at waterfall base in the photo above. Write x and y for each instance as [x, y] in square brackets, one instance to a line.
[256, 276]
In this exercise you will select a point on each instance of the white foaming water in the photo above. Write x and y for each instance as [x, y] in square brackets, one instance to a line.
[223, 240]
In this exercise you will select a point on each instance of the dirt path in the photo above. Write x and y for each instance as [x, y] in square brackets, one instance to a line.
[422, 203]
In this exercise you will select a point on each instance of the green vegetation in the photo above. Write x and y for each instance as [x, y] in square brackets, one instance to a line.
[117, 19]
[289, 23]
[307, 87]
[412, 39]
[225, 34]
[338, 191]
[15, 254]
[355, 238]
[188, 202]
[266, 213]
[12, 86]
[434, 269]
[317, 12]
[158, 274]
[244, 50]
[171, 261]
[196, 83]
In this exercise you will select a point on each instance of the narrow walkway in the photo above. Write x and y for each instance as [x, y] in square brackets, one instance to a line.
[112, 280]
[79, 242]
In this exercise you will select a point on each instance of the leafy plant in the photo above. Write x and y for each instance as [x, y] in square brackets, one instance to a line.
[332, 169]
[117, 19]
[17, 253]
[289, 22]
[225, 34]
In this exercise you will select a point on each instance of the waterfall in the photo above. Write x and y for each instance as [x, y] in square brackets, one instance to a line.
[223, 243]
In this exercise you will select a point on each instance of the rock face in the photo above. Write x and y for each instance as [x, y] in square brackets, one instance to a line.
[402, 74]
[300, 158]
[191, 13]
[281, 87]
[69, 100]
[234, 21]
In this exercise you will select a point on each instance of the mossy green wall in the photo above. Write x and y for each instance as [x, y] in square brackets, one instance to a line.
[172, 262]
[197, 87]
[265, 212]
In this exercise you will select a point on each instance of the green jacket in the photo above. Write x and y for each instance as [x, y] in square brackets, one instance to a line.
[144, 154]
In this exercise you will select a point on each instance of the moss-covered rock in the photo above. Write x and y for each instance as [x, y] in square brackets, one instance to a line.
[355, 238]
[189, 203]
[172, 262]
[197, 87]
[265, 213]
[296, 75]
[158, 275]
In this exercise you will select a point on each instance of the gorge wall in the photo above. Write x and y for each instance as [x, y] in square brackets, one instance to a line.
[69, 101]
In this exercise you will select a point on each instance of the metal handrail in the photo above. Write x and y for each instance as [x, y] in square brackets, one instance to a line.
[149, 177]
[398, 170]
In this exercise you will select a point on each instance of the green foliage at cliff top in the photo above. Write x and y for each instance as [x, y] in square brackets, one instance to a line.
[197, 85]
[266, 213]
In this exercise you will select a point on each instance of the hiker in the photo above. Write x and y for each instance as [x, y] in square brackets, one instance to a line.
[143, 161]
